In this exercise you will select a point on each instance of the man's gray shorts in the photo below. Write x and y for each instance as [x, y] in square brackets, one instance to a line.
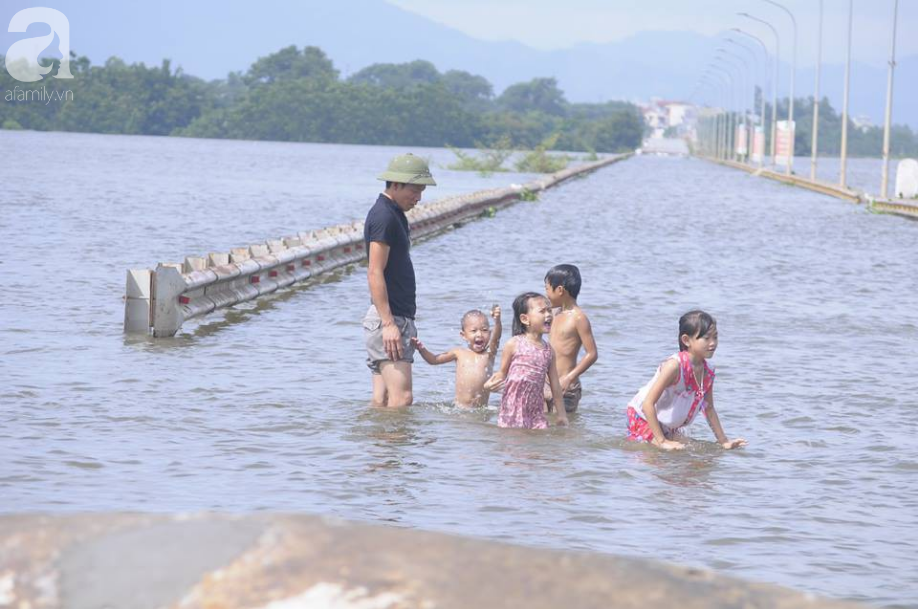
[372, 332]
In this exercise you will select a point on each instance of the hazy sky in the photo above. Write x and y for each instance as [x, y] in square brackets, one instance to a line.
[552, 24]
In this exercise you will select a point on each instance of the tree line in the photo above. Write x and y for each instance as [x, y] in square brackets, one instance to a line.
[298, 95]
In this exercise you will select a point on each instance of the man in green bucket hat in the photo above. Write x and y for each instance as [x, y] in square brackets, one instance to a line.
[389, 322]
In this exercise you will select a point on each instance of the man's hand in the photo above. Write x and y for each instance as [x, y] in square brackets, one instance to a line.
[392, 341]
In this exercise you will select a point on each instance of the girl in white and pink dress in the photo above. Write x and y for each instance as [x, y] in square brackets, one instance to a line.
[682, 386]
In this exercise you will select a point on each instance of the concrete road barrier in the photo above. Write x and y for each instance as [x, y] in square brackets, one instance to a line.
[162, 299]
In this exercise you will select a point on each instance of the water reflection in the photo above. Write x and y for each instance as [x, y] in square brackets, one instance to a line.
[689, 468]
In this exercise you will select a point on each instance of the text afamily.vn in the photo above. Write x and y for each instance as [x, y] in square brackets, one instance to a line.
[18, 94]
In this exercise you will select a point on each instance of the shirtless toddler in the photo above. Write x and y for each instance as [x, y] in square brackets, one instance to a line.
[475, 363]
[570, 330]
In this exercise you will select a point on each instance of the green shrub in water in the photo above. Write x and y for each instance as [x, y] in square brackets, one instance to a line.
[11, 125]
[488, 160]
[528, 195]
[539, 161]
[592, 156]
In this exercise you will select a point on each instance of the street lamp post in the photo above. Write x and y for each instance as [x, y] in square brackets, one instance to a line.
[762, 100]
[774, 97]
[716, 136]
[884, 184]
[790, 116]
[710, 127]
[731, 100]
[713, 135]
[843, 172]
[815, 145]
[755, 62]
[728, 85]
[727, 57]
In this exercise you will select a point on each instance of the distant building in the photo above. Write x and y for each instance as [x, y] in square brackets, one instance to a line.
[862, 122]
[674, 116]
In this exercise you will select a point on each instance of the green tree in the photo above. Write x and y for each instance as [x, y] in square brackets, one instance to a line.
[291, 64]
[398, 75]
[475, 91]
[539, 94]
[296, 95]
[619, 132]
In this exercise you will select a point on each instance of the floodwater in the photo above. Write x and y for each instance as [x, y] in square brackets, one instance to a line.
[265, 407]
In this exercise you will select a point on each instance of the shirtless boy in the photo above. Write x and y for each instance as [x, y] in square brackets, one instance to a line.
[475, 363]
[570, 330]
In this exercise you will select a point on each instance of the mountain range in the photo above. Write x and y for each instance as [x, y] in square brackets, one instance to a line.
[210, 38]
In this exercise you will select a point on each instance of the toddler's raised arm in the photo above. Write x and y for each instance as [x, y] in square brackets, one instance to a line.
[430, 358]
[498, 329]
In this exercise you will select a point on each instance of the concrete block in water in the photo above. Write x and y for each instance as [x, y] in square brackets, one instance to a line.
[907, 179]
[168, 286]
[137, 304]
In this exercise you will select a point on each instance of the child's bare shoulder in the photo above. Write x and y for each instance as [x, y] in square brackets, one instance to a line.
[581, 318]
[578, 312]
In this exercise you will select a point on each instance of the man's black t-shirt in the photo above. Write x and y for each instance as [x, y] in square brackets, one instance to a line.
[386, 223]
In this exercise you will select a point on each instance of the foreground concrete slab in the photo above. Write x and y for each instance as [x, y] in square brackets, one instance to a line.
[137, 561]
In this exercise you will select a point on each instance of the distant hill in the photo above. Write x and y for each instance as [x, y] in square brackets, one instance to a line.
[210, 38]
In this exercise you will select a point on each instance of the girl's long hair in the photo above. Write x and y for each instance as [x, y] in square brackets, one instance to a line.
[521, 307]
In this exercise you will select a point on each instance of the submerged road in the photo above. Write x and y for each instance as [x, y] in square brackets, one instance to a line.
[265, 407]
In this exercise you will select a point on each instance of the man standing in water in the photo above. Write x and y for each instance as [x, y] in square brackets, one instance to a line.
[389, 323]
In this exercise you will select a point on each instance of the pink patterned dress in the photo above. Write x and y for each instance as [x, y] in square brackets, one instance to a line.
[523, 404]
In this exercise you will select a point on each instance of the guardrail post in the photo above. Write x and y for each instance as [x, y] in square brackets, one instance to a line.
[137, 312]
[906, 179]
[168, 285]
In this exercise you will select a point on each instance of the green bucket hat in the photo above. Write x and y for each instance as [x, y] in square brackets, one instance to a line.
[408, 169]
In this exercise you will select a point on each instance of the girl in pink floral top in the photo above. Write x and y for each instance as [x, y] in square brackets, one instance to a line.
[526, 359]
[682, 387]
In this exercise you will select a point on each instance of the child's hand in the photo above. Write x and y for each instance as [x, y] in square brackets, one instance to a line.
[565, 382]
[495, 312]
[495, 383]
[729, 444]
[562, 419]
[669, 445]
[417, 343]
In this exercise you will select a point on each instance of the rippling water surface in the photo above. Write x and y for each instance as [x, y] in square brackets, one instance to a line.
[265, 407]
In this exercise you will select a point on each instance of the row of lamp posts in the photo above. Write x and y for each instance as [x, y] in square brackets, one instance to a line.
[720, 75]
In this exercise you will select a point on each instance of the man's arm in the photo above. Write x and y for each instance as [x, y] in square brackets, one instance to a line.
[379, 294]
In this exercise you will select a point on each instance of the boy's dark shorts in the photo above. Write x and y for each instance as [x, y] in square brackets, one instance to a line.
[372, 332]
